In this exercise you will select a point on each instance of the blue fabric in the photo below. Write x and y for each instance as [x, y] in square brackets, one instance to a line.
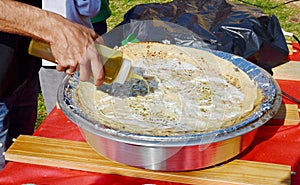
[80, 11]
[3, 133]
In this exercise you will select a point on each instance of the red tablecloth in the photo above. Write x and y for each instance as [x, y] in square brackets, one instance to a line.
[274, 143]
[295, 56]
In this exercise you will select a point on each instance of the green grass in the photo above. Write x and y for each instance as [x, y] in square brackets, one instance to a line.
[288, 16]
[42, 113]
[119, 8]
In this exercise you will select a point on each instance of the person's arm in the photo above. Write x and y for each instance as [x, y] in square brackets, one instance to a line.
[72, 45]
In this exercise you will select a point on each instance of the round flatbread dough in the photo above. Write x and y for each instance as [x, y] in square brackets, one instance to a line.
[195, 91]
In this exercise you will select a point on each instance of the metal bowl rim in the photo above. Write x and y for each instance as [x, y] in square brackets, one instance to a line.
[243, 127]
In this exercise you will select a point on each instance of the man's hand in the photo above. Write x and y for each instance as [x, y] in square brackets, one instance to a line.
[72, 45]
[74, 48]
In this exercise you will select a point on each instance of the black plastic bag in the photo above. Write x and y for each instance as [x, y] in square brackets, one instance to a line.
[227, 26]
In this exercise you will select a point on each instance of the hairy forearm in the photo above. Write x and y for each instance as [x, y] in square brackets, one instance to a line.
[23, 19]
[73, 45]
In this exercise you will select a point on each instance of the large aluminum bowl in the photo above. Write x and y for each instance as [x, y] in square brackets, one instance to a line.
[176, 153]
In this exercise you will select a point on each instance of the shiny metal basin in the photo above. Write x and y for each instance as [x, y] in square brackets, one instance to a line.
[176, 153]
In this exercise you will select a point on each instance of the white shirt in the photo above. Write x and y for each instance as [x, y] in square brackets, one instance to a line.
[56, 6]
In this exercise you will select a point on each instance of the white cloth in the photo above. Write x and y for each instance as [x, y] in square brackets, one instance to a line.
[56, 6]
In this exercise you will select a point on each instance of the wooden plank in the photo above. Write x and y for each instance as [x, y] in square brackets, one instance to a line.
[80, 156]
[287, 71]
[289, 113]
